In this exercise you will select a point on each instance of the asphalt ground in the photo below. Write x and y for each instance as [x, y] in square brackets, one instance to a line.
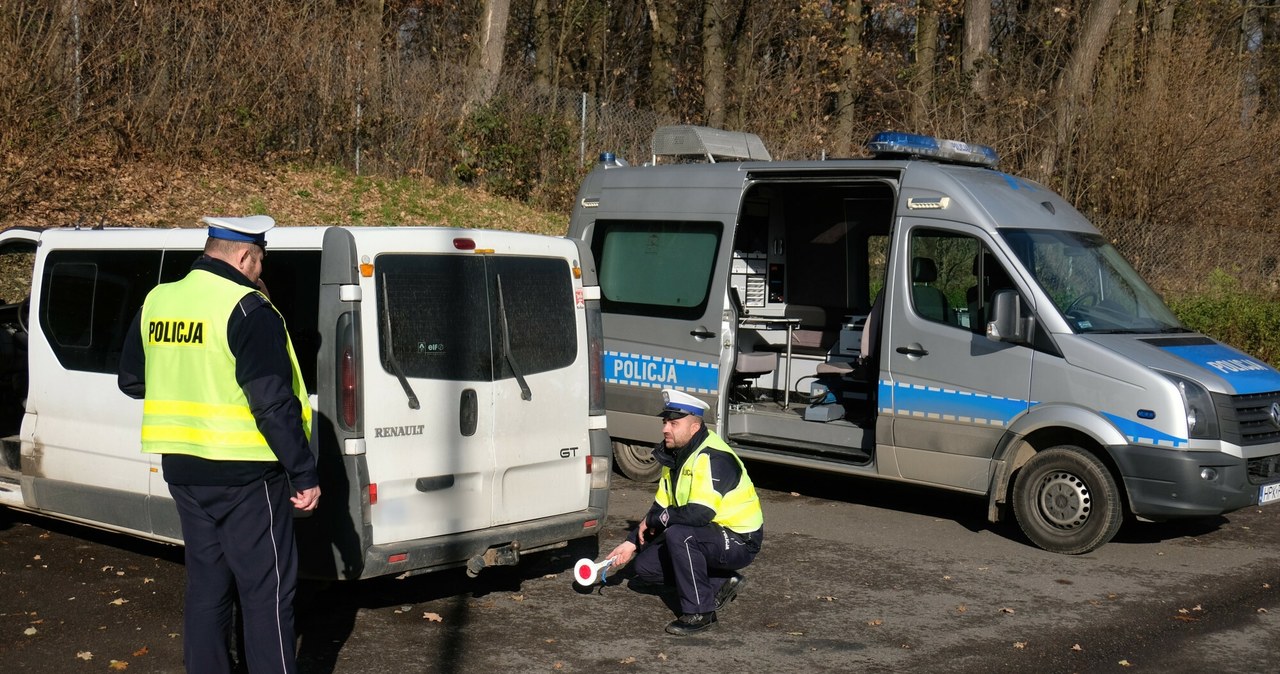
[855, 575]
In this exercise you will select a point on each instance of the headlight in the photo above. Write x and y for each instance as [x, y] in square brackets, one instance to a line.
[1202, 420]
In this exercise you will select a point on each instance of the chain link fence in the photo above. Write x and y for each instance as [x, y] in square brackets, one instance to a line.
[1180, 260]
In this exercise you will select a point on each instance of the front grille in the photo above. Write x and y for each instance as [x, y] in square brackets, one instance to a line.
[1264, 469]
[1245, 420]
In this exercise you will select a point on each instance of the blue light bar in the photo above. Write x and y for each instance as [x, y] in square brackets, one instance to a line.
[897, 143]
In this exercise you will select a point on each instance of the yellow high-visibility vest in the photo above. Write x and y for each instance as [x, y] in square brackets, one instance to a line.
[194, 404]
[738, 510]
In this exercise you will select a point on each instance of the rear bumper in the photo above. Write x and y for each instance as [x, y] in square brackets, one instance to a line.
[442, 552]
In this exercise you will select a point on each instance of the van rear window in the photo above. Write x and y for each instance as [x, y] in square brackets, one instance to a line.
[656, 267]
[446, 320]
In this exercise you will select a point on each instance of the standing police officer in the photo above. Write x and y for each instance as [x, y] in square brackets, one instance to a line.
[709, 512]
[226, 406]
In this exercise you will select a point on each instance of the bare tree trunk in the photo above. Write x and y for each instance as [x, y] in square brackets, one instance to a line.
[850, 78]
[926, 62]
[713, 64]
[1161, 51]
[544, 48]
[1072, 87]
[977, 42]
[491, 37]
[662, 19]
[1117, 71]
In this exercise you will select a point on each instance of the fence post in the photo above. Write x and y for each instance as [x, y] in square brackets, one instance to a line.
[582, 133]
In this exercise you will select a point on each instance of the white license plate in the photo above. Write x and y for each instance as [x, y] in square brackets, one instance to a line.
[1269, 493]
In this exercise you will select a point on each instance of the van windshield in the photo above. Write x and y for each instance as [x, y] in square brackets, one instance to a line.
[1090, 283]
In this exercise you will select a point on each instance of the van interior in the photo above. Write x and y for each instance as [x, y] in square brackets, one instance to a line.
[809, 261]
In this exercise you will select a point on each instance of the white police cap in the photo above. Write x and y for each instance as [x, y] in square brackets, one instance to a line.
[678, 404]
[249, 229]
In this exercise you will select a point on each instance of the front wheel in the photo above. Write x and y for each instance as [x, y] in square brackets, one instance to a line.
[636, 461]
[1066, 501]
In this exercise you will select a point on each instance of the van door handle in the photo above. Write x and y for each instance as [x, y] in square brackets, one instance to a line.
[913, 350]
[468, 413]
[702, 334]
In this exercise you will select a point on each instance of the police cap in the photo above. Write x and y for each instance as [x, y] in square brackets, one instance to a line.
[250, 229]
[678, 404]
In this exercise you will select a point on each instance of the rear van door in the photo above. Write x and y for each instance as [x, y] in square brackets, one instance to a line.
[428, 385]
[541, 397]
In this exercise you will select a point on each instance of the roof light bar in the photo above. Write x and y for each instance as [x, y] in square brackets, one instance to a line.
[897, 143]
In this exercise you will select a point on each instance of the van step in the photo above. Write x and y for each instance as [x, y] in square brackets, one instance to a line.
[775, 445]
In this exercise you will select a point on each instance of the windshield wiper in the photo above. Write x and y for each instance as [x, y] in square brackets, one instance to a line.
[525, 393]
[391, 351]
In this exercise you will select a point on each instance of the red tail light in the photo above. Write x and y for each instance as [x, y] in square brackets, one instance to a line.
[373, 493]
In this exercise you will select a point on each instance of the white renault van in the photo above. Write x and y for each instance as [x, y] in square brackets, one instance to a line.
[454, 375]
[917, 316]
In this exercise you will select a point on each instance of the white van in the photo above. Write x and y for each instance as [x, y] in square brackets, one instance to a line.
[917, 316]
[454, 376]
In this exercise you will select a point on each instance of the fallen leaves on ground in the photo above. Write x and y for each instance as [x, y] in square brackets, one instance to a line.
[1077, 648]
[141, 652]
[29, 631]
[826, 597]
[1123, 663]
[118, 601]
[1007, 610]
[629, 660]
[433, 617]
[962, 608]
[84, 655]
[1019, 645]
[875, 623]
[119, 665]
[517, 597]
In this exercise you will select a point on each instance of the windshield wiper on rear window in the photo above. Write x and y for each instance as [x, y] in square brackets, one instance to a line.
[391, 351]
[525, 393]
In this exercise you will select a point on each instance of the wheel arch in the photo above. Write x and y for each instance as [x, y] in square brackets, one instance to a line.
[1046, 426]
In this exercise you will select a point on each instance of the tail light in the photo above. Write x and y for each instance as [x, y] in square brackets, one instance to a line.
[347, 372]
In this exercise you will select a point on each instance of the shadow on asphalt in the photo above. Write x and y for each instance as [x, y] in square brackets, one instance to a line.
[326, 612]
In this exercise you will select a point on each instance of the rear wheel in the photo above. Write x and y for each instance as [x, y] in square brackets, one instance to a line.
[1066, 501]
[636, 461]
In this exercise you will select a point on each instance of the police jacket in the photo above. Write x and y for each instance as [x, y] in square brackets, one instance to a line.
[684, 474]
[259, 343]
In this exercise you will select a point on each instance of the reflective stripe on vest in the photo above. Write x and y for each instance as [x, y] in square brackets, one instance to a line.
[194, 404]
[739, 510]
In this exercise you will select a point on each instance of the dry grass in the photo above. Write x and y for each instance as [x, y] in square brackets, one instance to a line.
[160, 194]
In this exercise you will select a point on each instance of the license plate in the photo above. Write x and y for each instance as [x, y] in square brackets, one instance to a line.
[1269, 493]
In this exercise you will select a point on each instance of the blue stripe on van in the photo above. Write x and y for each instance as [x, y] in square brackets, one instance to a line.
[1142, 434]
[931, 402]
[638, 369]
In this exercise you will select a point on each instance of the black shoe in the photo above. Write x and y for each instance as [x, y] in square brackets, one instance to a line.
[729, 590]
[692, 623]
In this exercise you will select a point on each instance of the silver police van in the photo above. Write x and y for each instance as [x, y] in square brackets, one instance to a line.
[917, 316]
[454, 376]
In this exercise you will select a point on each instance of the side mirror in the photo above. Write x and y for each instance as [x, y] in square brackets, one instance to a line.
[1007, 322]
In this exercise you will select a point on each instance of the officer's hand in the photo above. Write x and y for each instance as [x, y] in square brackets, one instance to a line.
[644, 527]
[622, 554]
[307, 499]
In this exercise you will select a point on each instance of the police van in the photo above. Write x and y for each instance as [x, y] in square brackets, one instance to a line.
[916, 316]
[453, 374]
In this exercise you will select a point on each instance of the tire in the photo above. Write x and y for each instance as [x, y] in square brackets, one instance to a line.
[1066, 501]
[636, 461]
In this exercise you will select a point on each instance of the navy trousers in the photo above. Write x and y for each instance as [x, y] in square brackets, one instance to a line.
[696, 560]
[239, 539]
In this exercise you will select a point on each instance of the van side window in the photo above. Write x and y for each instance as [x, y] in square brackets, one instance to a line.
[444, 317]
[942, 271]
[656, 267]
[89, 299]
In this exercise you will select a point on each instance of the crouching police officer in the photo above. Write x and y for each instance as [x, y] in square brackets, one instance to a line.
[705, 522]
[226, 406]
